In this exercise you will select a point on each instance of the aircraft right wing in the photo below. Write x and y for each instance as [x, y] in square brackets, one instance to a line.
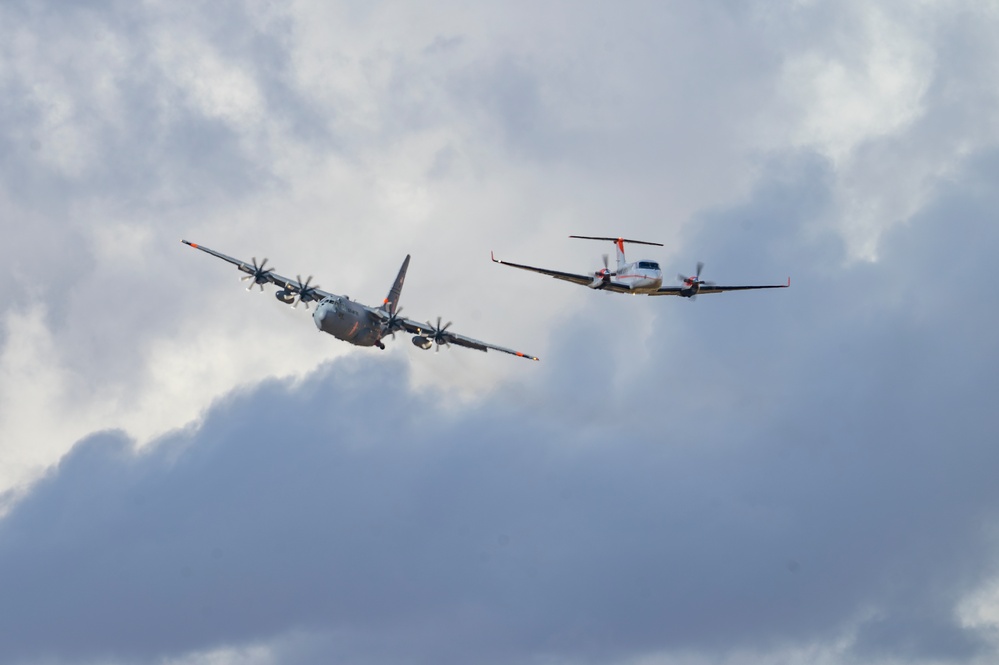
[714, 288]
[584, 280]
[441, 335]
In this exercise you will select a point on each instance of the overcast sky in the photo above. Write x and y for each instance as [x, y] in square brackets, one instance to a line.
[192, 475]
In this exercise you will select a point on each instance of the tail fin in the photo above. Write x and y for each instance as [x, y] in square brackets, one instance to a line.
[391, 302]
[619, 244]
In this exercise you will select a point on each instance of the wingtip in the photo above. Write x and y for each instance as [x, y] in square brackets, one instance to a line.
[493, 257]
[188, 242]
[789, 280]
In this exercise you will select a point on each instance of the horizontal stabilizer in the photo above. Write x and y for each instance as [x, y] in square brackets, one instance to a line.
[634, 242]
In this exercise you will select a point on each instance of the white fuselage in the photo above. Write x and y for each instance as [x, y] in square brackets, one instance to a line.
[640, 276]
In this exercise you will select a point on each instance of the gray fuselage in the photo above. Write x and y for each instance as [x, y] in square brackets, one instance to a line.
[347, 320]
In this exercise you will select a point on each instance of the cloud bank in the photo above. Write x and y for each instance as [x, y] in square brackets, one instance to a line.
[819, 474]
[794, 476]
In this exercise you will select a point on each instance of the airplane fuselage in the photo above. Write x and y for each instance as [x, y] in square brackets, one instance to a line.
[639, 276]
[348, 321]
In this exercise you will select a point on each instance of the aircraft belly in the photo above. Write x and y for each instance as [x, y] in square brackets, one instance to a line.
[639, 283]
[645, 285]
[348, 327]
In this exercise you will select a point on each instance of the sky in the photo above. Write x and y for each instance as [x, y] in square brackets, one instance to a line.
[192, 475]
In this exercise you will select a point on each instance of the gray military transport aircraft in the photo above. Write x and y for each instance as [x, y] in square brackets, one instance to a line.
[351, 321]
[639, 277]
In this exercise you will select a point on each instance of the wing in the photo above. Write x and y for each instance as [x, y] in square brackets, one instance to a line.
[584, 280]
[445, 336]
[714, 288]
[262, 276]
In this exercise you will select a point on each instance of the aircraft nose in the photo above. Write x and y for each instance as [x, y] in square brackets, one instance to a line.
[319, 315]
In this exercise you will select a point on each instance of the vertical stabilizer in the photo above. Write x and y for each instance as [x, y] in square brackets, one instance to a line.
[619, 246]
[391, 303]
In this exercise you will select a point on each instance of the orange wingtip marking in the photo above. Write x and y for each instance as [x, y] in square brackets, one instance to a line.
[194, 245]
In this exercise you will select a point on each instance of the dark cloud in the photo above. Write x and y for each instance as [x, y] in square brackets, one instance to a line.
[764, 469]
[784, 467]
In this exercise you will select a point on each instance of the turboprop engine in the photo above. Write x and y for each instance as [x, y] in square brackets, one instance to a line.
[602, 278]
[422, 342]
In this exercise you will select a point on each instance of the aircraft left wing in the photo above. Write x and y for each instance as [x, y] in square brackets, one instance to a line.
[714, 288]
[441, 335]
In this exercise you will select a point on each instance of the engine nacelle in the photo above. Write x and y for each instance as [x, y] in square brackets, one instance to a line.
[422, 342]
[284, 296]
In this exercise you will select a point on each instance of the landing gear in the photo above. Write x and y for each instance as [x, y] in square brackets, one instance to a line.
[380, 345]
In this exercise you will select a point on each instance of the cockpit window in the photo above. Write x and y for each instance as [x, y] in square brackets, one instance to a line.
[648, 265]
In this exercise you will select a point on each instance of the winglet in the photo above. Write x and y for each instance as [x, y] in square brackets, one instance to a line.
[493, 257]
[789, 280]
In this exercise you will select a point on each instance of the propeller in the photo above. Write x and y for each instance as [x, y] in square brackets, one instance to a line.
[304, 292]
[694, 283]
[393, 322]
[437, 334]
[606, 273]
[259, 275]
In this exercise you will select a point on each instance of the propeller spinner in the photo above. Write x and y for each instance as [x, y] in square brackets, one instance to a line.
[259, 275]
[438, 334]
[606, 273]
[392, 323]
[693, 284]
[305, 293]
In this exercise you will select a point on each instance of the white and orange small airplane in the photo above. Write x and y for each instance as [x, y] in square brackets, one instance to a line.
[638, 277]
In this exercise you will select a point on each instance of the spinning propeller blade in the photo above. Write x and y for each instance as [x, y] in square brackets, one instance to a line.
[438, 335]
[393, 322]
[694, 283]
[303, 292]
[259, 274]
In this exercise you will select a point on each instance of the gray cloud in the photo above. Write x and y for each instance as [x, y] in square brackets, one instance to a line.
[785, 469]
[747, 471]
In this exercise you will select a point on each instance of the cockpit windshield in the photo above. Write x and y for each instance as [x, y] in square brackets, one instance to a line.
[648, 265]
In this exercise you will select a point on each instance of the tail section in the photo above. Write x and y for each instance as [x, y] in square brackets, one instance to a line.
[391, 303]
[619, 245]
[619, 250]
